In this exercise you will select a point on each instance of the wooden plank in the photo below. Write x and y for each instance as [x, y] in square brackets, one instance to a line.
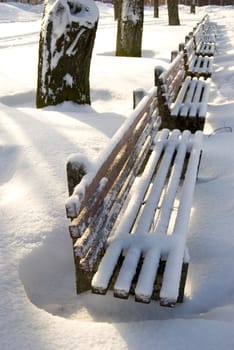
[198, 95]
[127, 272]
[146, 279]
[188, 98]
[102, 277]
[169, 291]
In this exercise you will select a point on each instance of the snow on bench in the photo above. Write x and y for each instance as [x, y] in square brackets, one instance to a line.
[205, 37]
[154, 222]
[196, 65]
[98, 191]
[182, 99]
[130, 210]
[210, 30]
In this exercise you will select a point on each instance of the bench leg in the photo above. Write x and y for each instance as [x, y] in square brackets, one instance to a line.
[183, 278]
[83, 278]
[158, 282]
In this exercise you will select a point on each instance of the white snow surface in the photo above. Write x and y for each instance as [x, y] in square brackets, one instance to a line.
[39, 308]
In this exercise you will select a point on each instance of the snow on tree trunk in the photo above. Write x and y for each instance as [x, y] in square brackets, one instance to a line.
[173, 12]
[130, 28]
[66, 42]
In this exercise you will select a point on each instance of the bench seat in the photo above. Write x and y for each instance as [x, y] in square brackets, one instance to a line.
[182, 99]
[192, 99]
[201, 66]
[196, 65]
[154, 223]
[130, 210]
[205, 40]
[205, 48]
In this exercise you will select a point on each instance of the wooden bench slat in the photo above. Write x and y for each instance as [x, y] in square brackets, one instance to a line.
[146, 280]
[198, 93]
[127, 272]
[171, 278]
[101, 280]
[189, 97]
[152, 202]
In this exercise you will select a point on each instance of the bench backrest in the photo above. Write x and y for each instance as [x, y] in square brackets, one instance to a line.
[205, 22]
[200, 30]
[96, 201]
[198, 35]
[170, 81]
[189, 52]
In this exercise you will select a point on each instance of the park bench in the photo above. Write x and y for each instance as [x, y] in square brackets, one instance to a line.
[205, 38]
[130, 210]
[196, 65]
[182, 99]
[209, 29]
[198, 62]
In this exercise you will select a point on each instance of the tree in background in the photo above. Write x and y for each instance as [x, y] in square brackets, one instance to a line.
[130, 28]
[156, 8]
[173, 12]
[67, 37]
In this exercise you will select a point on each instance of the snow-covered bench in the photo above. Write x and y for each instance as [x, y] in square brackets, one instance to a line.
[196, 65]
[182, 99]
[130, 211]
[210, 29]
[204, 36]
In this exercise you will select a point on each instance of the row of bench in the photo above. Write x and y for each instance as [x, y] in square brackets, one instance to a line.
[130, 210]
[183, 89]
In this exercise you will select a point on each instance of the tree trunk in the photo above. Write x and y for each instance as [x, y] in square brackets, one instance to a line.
[116, 9]
[173, 12]
[192, 7]
[156, 8]
[130, 28]
[66, 42]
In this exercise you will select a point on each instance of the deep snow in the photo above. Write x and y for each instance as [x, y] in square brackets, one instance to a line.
[38, 307]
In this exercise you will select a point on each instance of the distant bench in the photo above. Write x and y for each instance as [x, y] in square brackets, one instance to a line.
[196, 65]
[182, 99]
[205, 37]
[130, 210]
[183, 89]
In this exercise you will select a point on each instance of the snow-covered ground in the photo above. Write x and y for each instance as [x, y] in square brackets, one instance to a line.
[39, 308]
